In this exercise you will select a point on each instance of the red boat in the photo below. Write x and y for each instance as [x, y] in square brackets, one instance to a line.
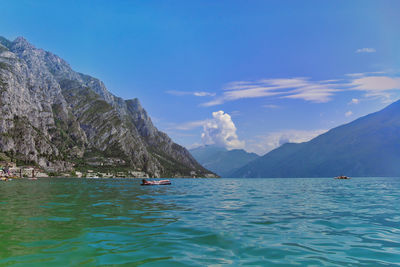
[342, 177]
[161, 182]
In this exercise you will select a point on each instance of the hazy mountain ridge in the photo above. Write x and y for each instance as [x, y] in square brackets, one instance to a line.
[368, 146]
[54, 116]
[222, 161]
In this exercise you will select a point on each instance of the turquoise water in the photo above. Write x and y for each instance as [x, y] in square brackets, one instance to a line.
[198, 222]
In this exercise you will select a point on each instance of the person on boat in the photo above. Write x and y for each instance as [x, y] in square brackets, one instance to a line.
[144, 181]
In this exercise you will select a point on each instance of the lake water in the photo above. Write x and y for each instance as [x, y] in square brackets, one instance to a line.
[198, 222]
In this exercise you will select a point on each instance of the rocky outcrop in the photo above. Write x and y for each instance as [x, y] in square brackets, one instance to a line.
[55, 117]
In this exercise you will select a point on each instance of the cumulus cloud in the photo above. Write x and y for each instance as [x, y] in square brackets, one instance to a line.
[348, 113]
[264, 144]
[366, 50]
[221, 131]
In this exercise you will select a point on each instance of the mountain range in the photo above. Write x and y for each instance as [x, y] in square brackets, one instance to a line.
[222, 161]
[62, 120]
[368, 146]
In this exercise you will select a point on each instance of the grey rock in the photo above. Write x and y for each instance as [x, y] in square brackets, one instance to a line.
[55, 117]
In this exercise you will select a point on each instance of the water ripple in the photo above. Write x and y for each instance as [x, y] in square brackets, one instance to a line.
[196, 222]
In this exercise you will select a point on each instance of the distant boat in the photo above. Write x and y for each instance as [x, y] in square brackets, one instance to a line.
[162, 182]
[342, 177]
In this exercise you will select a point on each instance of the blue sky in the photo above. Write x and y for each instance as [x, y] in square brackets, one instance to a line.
[243, 74]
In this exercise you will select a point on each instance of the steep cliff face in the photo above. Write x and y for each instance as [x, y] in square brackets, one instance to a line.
[58, 118]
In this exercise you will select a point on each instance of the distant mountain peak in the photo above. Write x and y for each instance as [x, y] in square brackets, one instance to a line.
[367, 146]
[21, 39]
[221, 160]
[21, 42]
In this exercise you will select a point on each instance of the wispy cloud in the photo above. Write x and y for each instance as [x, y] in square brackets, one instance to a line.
[354, 101]
[360, 74]
[348, 113]
[300, 88]
[203, 94]
[271, 106]
[366, 50]
[194, 145]
[188, 125]
[182, 93]
[374, 84]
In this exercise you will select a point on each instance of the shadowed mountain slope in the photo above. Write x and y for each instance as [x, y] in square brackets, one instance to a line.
[222, 161]
[368, 146]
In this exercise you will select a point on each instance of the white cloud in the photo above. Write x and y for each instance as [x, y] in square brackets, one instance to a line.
[348, 113]
[272, 140]
[354, 101]
[316, 94]
[188, 125]
[182, 93]
[221, 131]
[235, 113]
[361, 74]
[214, 102]
[380, 87]
[384, 96]
[194, 145]
[203, 94]
[376, 83]
[366, 50]
[271, 106]
[301, 88]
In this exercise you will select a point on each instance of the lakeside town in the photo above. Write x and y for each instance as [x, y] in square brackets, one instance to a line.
[11, 170]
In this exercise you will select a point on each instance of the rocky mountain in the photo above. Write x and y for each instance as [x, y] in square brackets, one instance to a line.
[222, 161]
[368, 146]
[63, 120]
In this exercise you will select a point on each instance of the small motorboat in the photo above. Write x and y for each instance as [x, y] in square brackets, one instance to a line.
[161, 182]
[342, 177]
